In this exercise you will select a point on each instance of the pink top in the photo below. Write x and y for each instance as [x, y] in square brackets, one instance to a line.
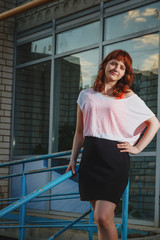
[121, 120]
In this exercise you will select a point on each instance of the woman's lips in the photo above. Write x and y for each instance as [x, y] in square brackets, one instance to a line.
[114, 73]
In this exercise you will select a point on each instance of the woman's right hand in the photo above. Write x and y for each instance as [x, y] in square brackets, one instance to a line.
[71, 166]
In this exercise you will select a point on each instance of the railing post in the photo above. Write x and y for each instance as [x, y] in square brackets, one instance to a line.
[91, 222]
[23, 207]
[125, 213]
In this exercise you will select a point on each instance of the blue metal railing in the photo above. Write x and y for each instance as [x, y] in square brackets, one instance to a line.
[21, 202]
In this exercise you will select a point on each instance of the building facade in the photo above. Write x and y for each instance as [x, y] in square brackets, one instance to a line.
[49, 54]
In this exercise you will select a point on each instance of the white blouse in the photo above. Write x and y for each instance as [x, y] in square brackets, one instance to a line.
[122, 120]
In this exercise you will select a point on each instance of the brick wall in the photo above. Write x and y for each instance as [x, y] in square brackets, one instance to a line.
[6, 78]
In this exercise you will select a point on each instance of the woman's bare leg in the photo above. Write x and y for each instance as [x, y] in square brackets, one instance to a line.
[104, 217]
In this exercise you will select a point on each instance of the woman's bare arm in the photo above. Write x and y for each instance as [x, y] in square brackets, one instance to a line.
[152, 127]
[77, 141]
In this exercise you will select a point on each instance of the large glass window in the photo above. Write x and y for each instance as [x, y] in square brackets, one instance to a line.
[145, 54]
[132, 21]
[73, 73]
[78, 37]
[34, 50]
[31, 124]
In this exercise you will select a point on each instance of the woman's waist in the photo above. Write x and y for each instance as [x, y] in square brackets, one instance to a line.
[116, 138]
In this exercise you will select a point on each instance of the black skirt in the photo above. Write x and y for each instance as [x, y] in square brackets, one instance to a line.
[103, 170]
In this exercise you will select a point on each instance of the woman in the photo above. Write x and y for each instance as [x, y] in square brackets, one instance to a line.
[110, 119]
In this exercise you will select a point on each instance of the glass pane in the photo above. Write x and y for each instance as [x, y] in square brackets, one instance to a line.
[145, 54]
[142, 188]
[132, 21]
[73, 73]
[34, 50]
[77, 37]
[32, 110]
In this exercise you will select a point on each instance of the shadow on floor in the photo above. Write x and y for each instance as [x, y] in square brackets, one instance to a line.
[7, 238]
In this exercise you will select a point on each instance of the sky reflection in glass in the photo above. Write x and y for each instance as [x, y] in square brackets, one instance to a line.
[143, 50]
[88, 62]
[132, 21]
[77, 37]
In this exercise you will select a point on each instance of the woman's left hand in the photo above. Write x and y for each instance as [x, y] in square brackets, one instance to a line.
[126, 147]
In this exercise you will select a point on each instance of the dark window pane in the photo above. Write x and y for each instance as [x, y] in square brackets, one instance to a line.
[32, 110]
[142, 188]
[34, 50]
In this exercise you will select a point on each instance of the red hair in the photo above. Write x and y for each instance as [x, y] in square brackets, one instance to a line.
[125, 82]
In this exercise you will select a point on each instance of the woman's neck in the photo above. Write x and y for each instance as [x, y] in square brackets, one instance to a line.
[108, 89]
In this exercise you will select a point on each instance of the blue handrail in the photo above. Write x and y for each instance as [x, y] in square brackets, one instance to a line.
[37, 158]
[70, 225]
[36, 193]
[21, 202]
[125, 213]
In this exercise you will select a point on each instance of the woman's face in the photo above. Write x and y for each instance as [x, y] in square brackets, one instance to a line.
[114, 70]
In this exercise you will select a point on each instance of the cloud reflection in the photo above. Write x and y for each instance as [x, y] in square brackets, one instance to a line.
[151, 63]
[131, 15]
[137, 16]
[150, 40]
[88, 72]
[149, 12]
[140, 19]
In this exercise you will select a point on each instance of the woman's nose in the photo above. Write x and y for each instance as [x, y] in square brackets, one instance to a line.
[116, 67]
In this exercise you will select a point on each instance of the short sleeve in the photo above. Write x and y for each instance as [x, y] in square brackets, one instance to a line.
[145, 111]
[137, 114]
[139, 111]
[82, 98]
